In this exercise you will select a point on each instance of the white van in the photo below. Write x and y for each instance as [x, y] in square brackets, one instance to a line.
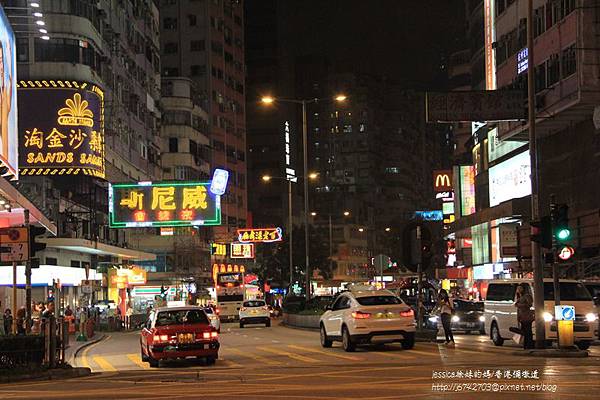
[501, 314]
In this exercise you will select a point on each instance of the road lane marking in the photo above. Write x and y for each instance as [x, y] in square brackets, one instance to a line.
[255, 357]
[136, 359]
[103, 363]
[294, 356]
[84, 359]
[231, 364]
[327, 353]
[393, 354]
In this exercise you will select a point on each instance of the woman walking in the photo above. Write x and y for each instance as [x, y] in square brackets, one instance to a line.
[525, 315]
[446, 309]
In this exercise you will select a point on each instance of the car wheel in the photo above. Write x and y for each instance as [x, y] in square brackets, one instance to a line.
[241, 325]
[153, 363]
[408, 342]
[210, 360]
[347, 343]
[495, 334]
[142, 355]
[583, 345]
[268, 323]
[325, 341]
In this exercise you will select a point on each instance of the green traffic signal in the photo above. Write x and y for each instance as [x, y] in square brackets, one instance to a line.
[563, 234]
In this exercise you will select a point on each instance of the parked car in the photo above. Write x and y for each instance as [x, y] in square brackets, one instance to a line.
[367, 316]
[501, 314]
[468, 316]
[213, 317]
[178, 332]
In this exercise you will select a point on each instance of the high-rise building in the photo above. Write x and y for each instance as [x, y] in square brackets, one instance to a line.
[204, 41]
[99, 61]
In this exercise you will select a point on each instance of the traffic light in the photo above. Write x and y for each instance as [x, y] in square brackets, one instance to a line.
[34, 247]
[541, 232]
[562, 232]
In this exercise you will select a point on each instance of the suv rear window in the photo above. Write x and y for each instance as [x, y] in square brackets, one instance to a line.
[501, 292]
[378, 300]
[572, 291]
[180, 317]
[254, 303]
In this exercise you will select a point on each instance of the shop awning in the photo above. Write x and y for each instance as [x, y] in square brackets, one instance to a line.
[20, 203]
[94, 247]
[518, 208]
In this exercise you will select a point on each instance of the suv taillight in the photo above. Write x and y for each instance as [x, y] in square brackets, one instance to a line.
[360, 315]
[408, 313]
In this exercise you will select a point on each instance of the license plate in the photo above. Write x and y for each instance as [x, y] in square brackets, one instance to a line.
[470, 325]
[384, 315]
[185, 338]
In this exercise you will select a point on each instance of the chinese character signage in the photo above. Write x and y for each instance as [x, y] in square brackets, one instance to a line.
[261, 235]
[442, 180]
[63, 131]
[159, 204]
[242, 250]
[467, 106]
[218, 249]
[8, 98]
[467, 190]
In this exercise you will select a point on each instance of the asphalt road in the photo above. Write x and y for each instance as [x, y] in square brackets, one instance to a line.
[279, 362]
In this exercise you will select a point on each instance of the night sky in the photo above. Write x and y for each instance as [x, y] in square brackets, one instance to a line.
[403, 39]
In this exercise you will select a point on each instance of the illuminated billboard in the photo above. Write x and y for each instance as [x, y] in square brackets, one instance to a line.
[467, 190]
[510, 179]
[261, 235]
[158, 204]
[63, 131]
[442, 180]
[9, 146]
[242, 250]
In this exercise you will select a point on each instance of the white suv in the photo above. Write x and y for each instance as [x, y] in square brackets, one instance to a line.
[368, 316]
[255, 312]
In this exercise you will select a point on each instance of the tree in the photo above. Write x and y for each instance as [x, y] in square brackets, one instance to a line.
[273, 259]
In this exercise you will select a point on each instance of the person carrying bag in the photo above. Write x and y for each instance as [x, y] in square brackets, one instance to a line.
[525, 315]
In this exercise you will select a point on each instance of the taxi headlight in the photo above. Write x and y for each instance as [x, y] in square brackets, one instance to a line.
[591, 317]
[548, 317]
[455, 318]
[482, 319]
[433, 319]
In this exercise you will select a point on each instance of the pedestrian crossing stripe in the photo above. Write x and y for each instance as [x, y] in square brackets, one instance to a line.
[294, 356]
[136, 359]
[255, 357]
[329, 354]
[103, 363]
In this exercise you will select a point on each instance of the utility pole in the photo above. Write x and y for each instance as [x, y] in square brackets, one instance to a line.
[27, 276]
[14, 298]
[291, 235]
[419, 280]
[306, 227]
[555, 273]
[536, 259]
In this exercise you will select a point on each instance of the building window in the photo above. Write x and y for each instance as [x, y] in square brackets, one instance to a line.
[218, 145]
[569, 61]
[192, 19]
[392, 170]
[22, 49]
[197, 45]
[75, 264]
[51, 261]
[553, 67]
[198, 70]
[170, 71]
[171, 48]
[173, 145]
[170, 24]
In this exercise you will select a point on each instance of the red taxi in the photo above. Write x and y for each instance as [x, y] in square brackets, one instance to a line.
[178, 332]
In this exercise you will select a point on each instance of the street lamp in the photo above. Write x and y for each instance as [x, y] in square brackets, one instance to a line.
[268, 100]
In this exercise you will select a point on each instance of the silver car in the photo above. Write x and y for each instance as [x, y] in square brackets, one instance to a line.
[213, 318]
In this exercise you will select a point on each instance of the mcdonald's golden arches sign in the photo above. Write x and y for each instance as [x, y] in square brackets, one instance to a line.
[442, 180]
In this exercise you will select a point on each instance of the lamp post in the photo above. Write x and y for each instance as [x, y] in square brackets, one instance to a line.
[268, 178]
[268, 100]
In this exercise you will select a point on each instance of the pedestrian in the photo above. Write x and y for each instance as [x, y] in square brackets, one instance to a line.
[525, 315]
[8, 319]
[446, 310]
[46, 315]
[128, 314]
[68, 311]
[20, 320]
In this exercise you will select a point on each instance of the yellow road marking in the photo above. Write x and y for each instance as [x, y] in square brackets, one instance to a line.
[231, 364]
[290, 355]
[255, 357]
[403, 354]
[103, 363]
[425, 353]
[327, 353]
[84, 360]
[135, 358]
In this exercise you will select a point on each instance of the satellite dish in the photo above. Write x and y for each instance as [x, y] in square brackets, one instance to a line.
[596, 117]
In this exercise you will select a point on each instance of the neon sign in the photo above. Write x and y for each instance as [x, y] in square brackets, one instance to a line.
[442, 180]
[64, 132]
[260, 235]
[159, 204]
[242, 250]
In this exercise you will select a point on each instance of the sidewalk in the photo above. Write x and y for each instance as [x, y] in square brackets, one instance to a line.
[75, 346]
